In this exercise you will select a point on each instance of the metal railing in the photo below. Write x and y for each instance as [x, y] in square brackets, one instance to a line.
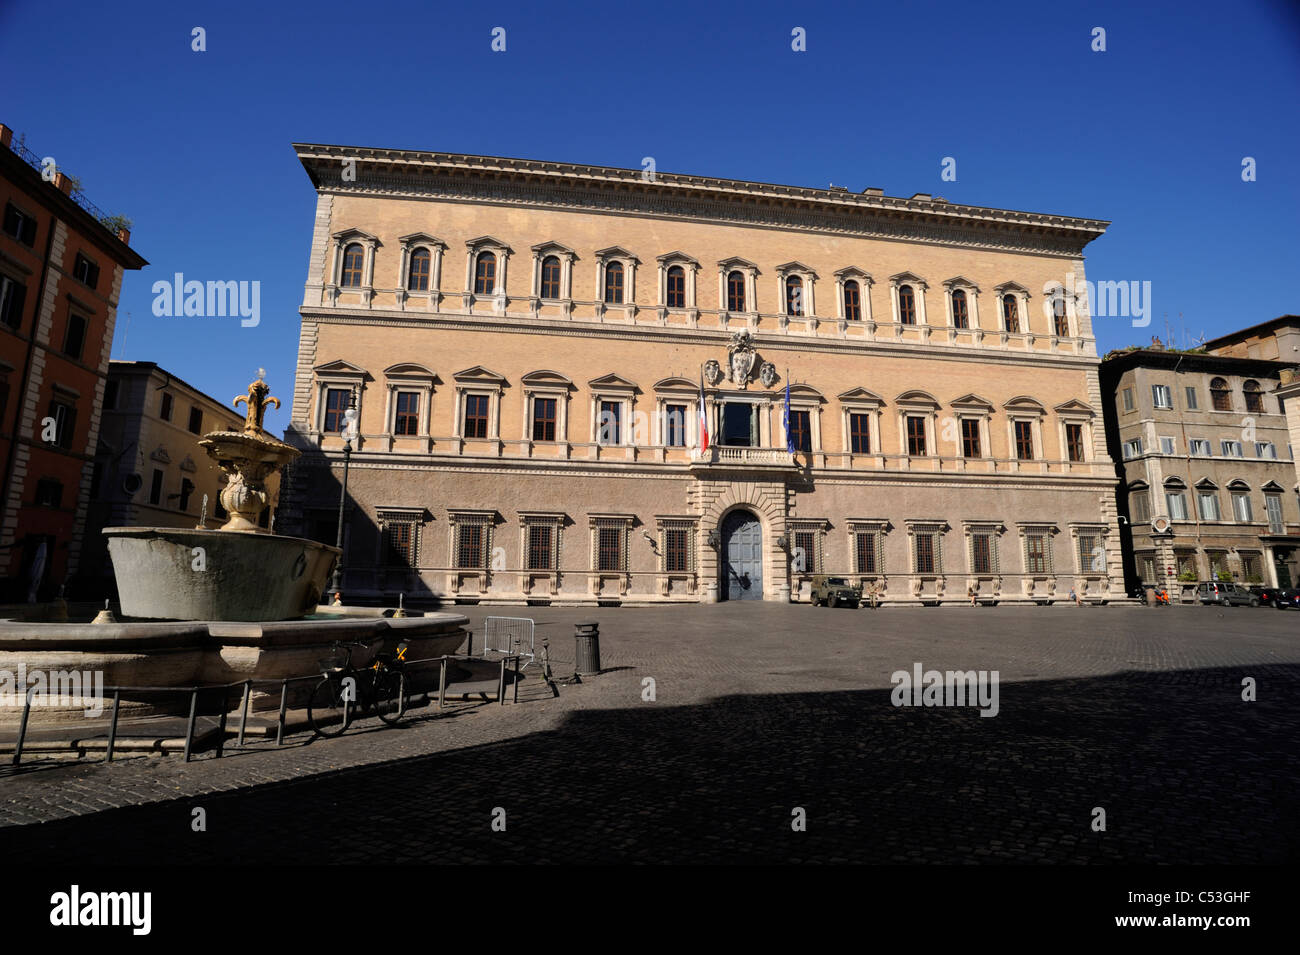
[247, 687]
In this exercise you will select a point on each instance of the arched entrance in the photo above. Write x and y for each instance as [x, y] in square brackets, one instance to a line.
[742, 557]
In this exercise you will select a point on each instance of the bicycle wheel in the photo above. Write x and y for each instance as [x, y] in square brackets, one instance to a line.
[390, 695]
[326, 710]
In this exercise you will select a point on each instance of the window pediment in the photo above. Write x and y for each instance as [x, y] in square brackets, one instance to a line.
[422, 238]
[1024, 404]
[972, 402]
[861, 395]
[612, 382]
[736, 262]
[908, 278]
[355, 235]
[341, 369]
[917, 399]
[1237, 484]
[547, 377]
[1175, 484]
[795, 268]
[1272, 486]
[806, 392]
[1011, 287]
[675, 384]
[1075, 407]
[160, 455]
[409, 371]
[677, 258]
[960, 281]
[1205, 484]
[853, 272]
[553, 248]
[617, 252]
[489, 242]
[481, 375]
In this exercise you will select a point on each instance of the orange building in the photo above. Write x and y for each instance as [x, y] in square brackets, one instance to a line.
[61, 268]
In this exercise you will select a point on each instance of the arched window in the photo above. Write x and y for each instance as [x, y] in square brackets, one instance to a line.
[417, 279]
[735, 291]
[960, 316]
[1060, 314]
[550, 277]
[354, 260]
[1254, 397]
[676, 287]
[906, 305]
[485, 274]
[614, 283]
[793, 295]
[1010, 315]
[852, 301]
[1220, 395]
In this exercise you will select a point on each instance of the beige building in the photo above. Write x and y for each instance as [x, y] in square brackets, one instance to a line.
[527, 343]
[149, 470]
[1208, 475]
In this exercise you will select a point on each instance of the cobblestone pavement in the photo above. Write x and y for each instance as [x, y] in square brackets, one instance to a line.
[761, 709]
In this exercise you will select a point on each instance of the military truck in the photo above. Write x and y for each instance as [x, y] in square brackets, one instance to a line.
[835, 592]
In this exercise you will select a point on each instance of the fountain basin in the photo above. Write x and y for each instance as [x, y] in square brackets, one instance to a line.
[171, 573]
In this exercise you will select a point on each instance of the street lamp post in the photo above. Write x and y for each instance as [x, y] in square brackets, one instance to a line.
[349, 432]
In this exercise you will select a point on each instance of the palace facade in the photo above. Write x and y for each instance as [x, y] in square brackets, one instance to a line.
[526, 344]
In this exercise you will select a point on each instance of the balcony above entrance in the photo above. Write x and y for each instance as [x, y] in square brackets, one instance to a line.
[749, 459]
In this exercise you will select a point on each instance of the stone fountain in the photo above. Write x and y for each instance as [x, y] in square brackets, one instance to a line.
[213, 607]
[239, 571]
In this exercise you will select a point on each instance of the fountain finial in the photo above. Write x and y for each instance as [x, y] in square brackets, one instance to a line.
[256, 400]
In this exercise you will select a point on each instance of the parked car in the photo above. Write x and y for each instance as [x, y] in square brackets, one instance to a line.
[834, 591]
[1265, 594]
[1224, 593]
[1287, 598]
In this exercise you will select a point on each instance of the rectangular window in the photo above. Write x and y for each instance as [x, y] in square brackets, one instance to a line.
[336, 403]
[84, 270]
[541, 547]
[1230, 449]
[1190, 391]
[469, 546]
[1162, 397]
[1199, 447]
[1074, 441]
[1176, 503]
[407, 420]
[1133, 448]
[805, 548]
[1092, 559]
[399, 540]
[544, 419]
[1241, 509]
[1128, 399]
[74, 336]
[915, 435]
[800, 431]
[1166, 445]
[1024, 440]
[981, 554]
[852, 304]
[165, 410]
[476, 416]
[1250, 566]
[1265, 449]
[675, 426]
[1140, 506]
[609, 551]
[110, 394]
[19, 225]
[924, 553]
[970, 437]
[1273, 507]
[611, 423]
[677, 550]
[860, 433]
[1036, 554]
[49, 493]
[1208, 502]
[12, 295]
[155, 489]
[65, 423]
[1146, 567]
[865, 552]
[196, 421]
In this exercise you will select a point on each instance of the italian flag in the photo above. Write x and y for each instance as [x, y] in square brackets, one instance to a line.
[704, 421]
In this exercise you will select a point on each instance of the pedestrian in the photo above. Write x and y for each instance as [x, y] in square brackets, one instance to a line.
[1075, 597]
[970, 592]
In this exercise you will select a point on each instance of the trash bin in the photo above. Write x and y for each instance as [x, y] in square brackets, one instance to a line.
[586, 637]
[1150, 595]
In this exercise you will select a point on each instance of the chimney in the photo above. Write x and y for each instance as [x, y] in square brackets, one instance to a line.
[873, 191]
[124, 235]
[6, 135]
[63, 183]
[921, 197]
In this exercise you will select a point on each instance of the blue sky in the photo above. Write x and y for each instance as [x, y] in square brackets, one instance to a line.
[1151, 134]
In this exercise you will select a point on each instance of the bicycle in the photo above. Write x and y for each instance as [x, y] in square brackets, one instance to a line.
[380, 687]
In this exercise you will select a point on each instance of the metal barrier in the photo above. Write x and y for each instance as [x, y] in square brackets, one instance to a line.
[513, 636]
[247, 685]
